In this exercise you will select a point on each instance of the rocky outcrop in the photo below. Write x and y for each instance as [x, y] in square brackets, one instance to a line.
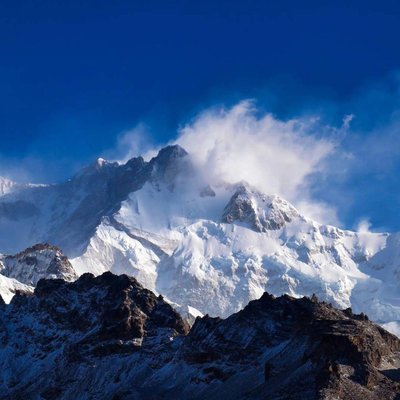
[38, 262]
[107, 307]
[258, 211]
[107, 337]
[171, 162]
[305, 349]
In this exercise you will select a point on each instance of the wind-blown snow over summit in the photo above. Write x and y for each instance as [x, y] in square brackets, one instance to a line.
[209, 245]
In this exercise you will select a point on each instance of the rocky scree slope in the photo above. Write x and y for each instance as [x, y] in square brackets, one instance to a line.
[107, 337]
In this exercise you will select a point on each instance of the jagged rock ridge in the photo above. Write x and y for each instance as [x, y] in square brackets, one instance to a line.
[108, 337]
[262, 213]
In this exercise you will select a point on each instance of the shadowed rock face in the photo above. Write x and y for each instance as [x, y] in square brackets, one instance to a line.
[105, 185]
[308, 349]
[107, 337]
[259, 212]
[109, 307]
[71, 211]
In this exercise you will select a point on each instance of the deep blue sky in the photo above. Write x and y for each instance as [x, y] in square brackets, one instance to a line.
[74, 74]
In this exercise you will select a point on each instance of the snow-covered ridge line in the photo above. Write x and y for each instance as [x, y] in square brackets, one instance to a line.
[211, 246]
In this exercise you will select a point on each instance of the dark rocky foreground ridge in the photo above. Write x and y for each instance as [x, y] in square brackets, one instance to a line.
[107, 337]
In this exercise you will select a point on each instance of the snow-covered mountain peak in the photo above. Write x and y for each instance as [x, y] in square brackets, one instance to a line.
[168, 153]
[259, 211]
[209, 245]
[100, 162]
[37, 262]
[97, 167]
[170, 162]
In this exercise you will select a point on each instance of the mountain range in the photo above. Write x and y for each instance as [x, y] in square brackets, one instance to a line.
[206, 247]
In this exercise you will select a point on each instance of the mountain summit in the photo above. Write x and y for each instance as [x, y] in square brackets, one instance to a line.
[261, 213]
[205, 245]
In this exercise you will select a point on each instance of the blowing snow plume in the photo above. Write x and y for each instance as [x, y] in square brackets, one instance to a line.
[277, 157]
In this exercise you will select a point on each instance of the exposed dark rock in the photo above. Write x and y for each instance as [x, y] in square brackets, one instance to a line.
[108, 337]
[170, 162]
[258, 211]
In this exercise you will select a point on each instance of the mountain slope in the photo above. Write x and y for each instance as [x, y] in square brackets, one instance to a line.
[9, 287]
[108, 337]
[177, 243]
[207, 245]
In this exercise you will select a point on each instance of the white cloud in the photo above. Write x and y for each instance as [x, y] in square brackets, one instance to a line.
[347, 120]
[133, 143]
[364, 226]
[278, 157]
